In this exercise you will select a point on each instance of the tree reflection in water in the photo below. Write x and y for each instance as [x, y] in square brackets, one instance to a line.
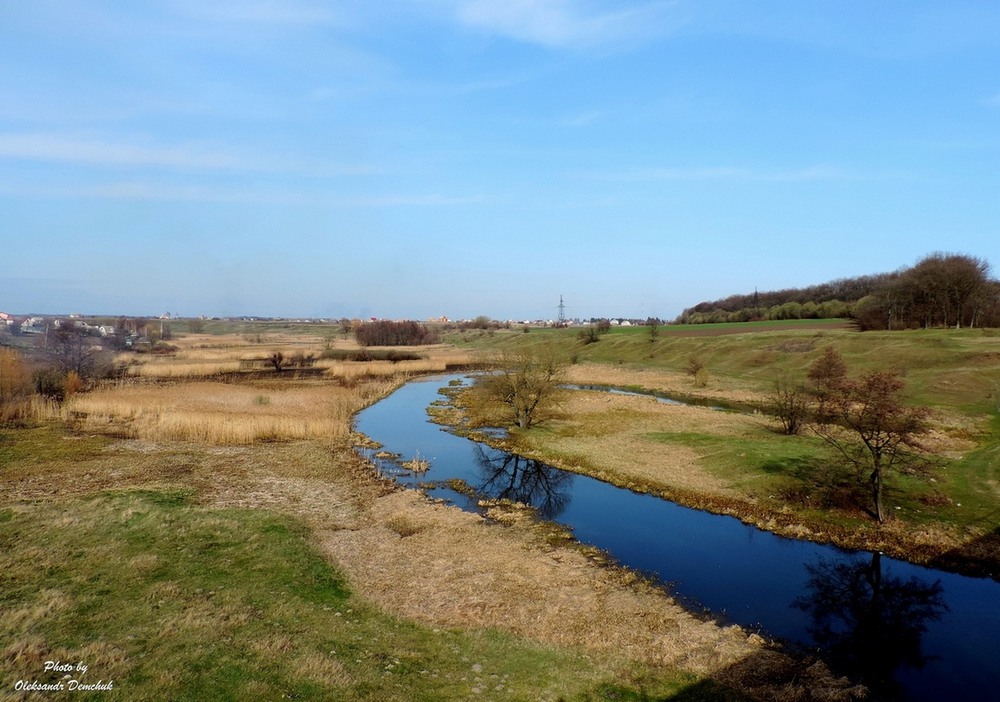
[869, 623]
[510, 477]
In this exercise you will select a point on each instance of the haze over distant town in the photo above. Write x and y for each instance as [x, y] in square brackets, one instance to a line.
[475, 157]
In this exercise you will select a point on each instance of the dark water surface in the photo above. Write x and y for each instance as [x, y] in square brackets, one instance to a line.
[912, 633]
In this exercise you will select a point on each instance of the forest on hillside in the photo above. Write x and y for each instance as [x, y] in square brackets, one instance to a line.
[940, 290]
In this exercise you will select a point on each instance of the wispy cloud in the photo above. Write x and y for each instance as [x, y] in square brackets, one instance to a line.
[54, 147]
[160, 192]
[734, 173]
[582, 119]
[271, 12]
[568, 23]
[96, 152]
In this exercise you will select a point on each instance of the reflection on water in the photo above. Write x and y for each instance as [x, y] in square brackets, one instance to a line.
[911, 633]
[869, 622]
[504, 476]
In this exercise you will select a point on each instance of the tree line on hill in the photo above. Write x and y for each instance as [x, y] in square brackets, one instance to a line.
[941, 290]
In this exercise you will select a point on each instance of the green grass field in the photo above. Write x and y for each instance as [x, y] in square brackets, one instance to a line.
[169, 600]
[954, 369]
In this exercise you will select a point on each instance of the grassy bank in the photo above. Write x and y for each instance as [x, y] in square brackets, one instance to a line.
[170, 600]
[740, 464]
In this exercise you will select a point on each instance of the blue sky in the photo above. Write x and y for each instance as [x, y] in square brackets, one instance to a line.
[409, 158]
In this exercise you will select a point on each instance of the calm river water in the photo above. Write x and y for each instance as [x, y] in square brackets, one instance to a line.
[910, 632]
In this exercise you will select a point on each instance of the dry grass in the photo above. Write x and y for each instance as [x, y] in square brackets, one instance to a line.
[420, 560]
[441, 566]
[439, 359]
[279, 408]
[607, 436]
[174, 369]
[446, 566]
[221, 413]
[202, 356]
[722, 388]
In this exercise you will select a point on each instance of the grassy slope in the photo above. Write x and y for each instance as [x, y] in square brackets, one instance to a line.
[173, 600]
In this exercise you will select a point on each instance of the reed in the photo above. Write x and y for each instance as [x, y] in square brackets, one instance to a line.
[439, 362]
[173, 369]
[221, 413]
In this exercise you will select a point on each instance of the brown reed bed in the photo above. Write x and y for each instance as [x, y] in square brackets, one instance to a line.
[221, 413]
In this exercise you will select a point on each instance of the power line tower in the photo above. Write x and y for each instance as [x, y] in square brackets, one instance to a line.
[562, 312]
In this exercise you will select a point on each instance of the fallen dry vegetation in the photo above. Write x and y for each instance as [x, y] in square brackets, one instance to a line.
[442, 566]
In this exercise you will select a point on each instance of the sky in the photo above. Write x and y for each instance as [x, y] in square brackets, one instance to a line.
[418, 158]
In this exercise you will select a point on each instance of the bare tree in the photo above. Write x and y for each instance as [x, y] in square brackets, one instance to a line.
[72, 348]
[277, 359]
[789, 402]
[826, 376]
[868, 423]
[525, 387]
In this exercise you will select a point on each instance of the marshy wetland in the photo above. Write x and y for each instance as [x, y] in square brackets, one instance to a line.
[195, 527]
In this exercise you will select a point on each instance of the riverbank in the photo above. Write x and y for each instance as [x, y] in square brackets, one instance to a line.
[739, 465]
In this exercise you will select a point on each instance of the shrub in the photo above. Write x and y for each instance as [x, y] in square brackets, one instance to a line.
[701, 378]
[590, 335]
[789, 402]
[49, 383]
[694, 366]
[365, 355]
[386, 333]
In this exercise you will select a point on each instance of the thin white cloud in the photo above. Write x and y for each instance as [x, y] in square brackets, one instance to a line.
[158, 192]
[568, 23]
[268, 12]
[810, 173]
[89, 151]
[41, 146]
[431, 200]
[583, 119]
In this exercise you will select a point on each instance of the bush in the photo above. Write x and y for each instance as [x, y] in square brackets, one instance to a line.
[49, 383]
[480, 322]
[789, 402]
[701, 378]
[694, 366]
[386, 333]
[589, 335]
[363, 355]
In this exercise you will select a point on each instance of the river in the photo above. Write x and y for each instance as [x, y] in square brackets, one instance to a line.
[909, 632]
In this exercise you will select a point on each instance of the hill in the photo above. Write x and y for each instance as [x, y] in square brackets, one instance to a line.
[940, 290]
